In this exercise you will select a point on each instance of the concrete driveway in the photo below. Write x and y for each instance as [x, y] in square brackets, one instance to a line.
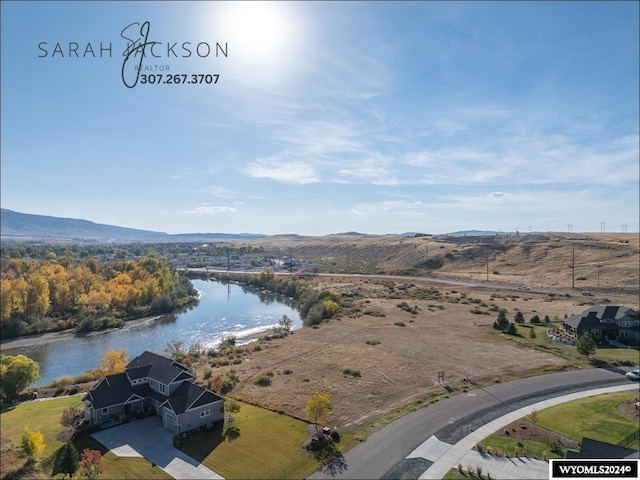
[148, 439]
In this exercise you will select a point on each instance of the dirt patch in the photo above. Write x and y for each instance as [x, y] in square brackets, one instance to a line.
[630, 408]
[525, 430]
[387, 348]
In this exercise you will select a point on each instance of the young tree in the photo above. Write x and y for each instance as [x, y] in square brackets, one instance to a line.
[318, 407]
[533, 416]
[32, 444]
[519, 318]
[91, 465]
[69, 460]
[286, 323]
[72, 417]
[512, 330]
[533, 335]
[586, 345]
[174, 349]
[114, 361]
[17, 373]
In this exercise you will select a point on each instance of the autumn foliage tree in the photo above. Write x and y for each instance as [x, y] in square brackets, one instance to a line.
[91, 465]
[32, 444]
[318, 407]
[114, 361]
[43, 295]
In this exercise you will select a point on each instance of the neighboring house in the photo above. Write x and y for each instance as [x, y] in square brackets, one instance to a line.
[605, 323]
[153, 384]
[590, 448]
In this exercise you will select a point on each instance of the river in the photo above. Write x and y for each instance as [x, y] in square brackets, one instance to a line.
[223, 310]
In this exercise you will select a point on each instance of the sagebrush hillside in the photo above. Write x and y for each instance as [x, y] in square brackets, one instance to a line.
[603, 262]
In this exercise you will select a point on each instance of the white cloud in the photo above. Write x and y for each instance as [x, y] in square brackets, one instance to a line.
[289, 172]
[209, 210]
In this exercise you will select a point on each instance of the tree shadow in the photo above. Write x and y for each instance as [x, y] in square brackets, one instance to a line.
[201, 446]
[231, 433]
[332, 459]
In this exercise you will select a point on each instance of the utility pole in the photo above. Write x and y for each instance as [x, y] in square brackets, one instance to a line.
[573, 265]
[427, 257]
[487, 254]
[228, 259]
[347, 258]
[290, 259]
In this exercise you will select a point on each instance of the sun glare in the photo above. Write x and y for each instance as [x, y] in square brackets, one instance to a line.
[262, 37]
[258, 29]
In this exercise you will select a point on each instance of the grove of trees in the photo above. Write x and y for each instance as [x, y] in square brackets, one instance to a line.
[47, 295]
[314, 306]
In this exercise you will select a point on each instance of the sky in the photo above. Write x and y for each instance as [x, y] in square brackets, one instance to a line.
[323, 117]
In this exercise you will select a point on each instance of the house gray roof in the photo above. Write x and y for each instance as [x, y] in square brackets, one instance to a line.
[161, 369]
[111, 390]
[188, 396]
[117, 389]
[599, 316]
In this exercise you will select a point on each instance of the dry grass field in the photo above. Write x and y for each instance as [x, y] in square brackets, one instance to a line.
[384, 352]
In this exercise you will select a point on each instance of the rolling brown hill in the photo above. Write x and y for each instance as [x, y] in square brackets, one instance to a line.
[603, 262]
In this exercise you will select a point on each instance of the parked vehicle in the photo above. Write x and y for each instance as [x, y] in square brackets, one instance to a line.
[524, 287]
[634, 375]
[587, 294]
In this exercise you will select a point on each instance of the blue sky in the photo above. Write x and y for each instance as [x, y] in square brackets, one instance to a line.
[377, 117]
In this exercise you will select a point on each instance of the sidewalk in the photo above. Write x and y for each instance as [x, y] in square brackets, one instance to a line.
[447, 456]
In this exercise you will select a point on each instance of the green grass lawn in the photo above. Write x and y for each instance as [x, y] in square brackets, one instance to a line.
[594, 417]
[45, 417]
[272, 441]
[569, 352]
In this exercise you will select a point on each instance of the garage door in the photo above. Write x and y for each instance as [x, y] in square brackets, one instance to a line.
[169, 421]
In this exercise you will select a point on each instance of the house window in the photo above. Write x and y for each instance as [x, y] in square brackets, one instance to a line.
[162, 388]
[152, 382]
[105, 411]
[206, 413]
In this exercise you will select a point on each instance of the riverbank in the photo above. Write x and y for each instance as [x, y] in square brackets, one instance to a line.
[51, 337]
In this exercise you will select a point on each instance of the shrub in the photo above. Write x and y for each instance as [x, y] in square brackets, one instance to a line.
[350, 371]
[263, 380]
[372, 342]
[399, 324]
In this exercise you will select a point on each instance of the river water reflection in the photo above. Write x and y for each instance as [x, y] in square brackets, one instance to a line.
[224, 309]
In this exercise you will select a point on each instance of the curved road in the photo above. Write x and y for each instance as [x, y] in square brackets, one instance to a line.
[390, 445]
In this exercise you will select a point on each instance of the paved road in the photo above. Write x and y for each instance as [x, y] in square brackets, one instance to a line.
[448, 281]
[455, 417]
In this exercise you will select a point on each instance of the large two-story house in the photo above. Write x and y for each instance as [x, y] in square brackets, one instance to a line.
[154, 384]
[605, 323]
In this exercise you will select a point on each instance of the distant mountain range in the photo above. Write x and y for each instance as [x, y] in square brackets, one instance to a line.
[26, 226]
